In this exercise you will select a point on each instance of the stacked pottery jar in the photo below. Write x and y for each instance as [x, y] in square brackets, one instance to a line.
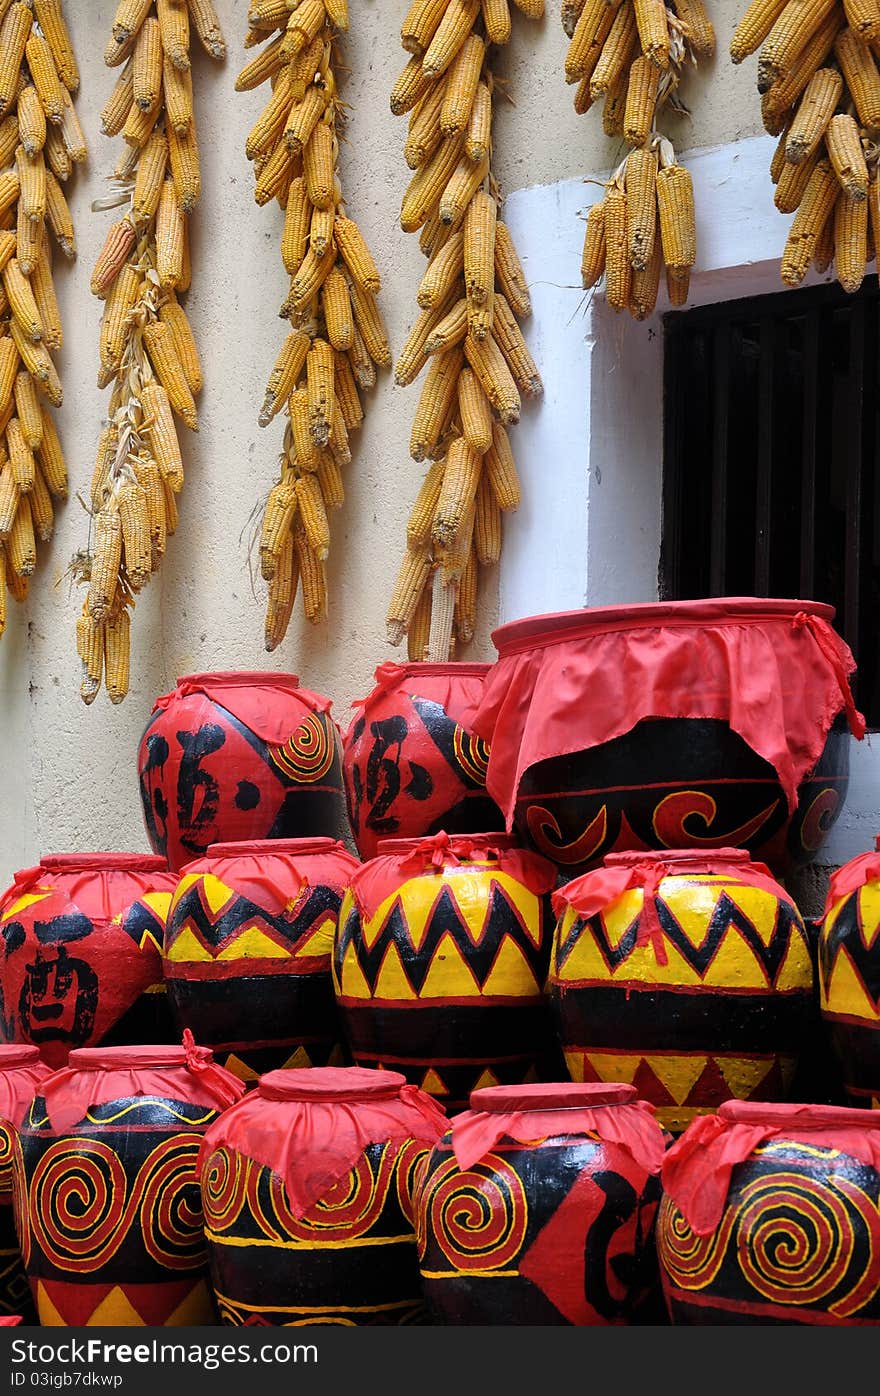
[81, 952]
[849, 975]
[248, 950]
[108, 1207]
[21, 1072]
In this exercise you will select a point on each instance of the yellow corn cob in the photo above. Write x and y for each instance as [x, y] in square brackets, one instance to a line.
[434, 236]
[52, 459]
[169, 237]
[479, 253]
[134, 519]
[588, 40]
[7, 247]
[424, 133]
[289, 365]
[31, 170]
[411, 84]
[754, 27]
[129, 16]
[21, 301]
[641, 206]
[136, 132]
[618, 269]
[183, 152]
[321, 229]
[511, 277]
[641, 100]
[411, 578]
[150, 177]
[265, 65]
[444, 590]
[362, 365]
[816, 108]
[29, 413]
[356, 254]
[297, 218]
[14, 32]
[797, 23]
[9, 138]
[449, 36]
[51, 20]
[274, 173]
[675, 203]
[278, 519]
[9, 365]
[646, 284]
[419, 629]
[677, 287]
[9, 497]
[447, 331]
[653, 30]
[178, 94]
[461, 188]
[698, 27]
[312, 576]
[617, 52]
[313, 515]
[90, 649]
[282, 594]
[22, 545]
[106, 558]
[28, 237]
[479, 130]
[319, 165]
[461, 86]
[809, 220]
[72, 132]
[173, 17]
[369, 323]
[149, 477]
[302, 26]
[319, 378]
[117, 653]
[496, 18]
[105, 460]
[863, 18]
[490, 366]
[268, 14]
[163, 436]
[120, 301]
[118, 245]
[509, 338]
[475, 411]
[411, 359]
[593, 260]
[21, 457]
[420, 25]
[172, 314]
[159, 344]
[301, 120]
[426, 188]
[58, 217]
[43, 289]
[792, 182]
[31, 120]
[421, 517]
[42, 510]
[300, 427]
[487, 524]
[336, 306]
[346, 393]
[444, 272]
[501, 471]
[860, 72]
[844, 146]
[532, 9]
[784, 92]
[438, 396]
[850, 241]
[207, 27]
[38, 363]
[115, 111]
[147, 65]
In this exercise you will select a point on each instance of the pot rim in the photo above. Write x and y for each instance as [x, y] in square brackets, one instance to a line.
[240, 678]
[137, 1056]
[535, 632]
[231, 848]
[758, 1112]
[452, 668]
[630, 858]
[15, 1054]
[556, 1095]
[107, 862]
[329, 1083]
[388, 848]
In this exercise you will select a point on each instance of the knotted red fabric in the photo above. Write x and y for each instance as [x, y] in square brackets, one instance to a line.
[528, 1113]
[96, 1075]
[454, 686]
[311, 1125]
[697, 1168]
[597, 890]
[865, 867]
[274, 873]
[21, 1074]
[271, 705]
[400, 859]
[774, 670]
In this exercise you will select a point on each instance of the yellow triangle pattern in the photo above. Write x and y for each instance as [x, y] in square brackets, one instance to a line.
[796, 970]
[188, 880]
[215, 893]
[679, 1075]
[159, 903]
[743, 1074]
[391, 982]
[240, 1068]
[300, 1058]
[511, 975]
[470, 888]
[253, 944]
[761, 908]
[846, 993]
[488, 1078]
[449, 975]
[186, 948]
[194, 1311]
[613, 1067]
[48, 1314]
[352, 983]
[575, 1063]
[29, 899]
[433, 1084]
[869, 913]
[115, 1310]
[320, 942]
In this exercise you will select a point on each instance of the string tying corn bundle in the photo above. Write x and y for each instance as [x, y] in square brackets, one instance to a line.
[818, 80]
[41, 143]
[467, 342]
[631, 57]
[337, 338]
[148, 355]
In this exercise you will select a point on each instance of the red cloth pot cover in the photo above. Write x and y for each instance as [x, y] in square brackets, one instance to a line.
[316, 1166]
[248, 951]
[774, 671]
[80, 951]
[410, 766]
[769, 1215]
[106, 1186]
[537, 1207]
[697, 991]
[440, 961]
[239, 755]
[21, 1071]
[849, 975]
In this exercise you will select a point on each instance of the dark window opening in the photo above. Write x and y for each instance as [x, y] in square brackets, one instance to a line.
[771, 464]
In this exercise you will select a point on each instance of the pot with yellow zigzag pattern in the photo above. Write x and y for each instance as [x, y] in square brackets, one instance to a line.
[687, 974]
[105, 1186]
[248, 948]
[849, 975]
[440, 960]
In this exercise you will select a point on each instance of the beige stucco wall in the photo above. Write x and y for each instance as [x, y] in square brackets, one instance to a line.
[68, 772]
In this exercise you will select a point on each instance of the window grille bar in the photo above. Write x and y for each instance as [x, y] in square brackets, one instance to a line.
[811, 410]
[854, 449]
[764, 489]
[721, 393]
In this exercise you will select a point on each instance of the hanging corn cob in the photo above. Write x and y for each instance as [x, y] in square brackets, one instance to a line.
[632, 56]
[337, 337]
[467, 340]
[147, 350]
[820, 94]
[41, 142]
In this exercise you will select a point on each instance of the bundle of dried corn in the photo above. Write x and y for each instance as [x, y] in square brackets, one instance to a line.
[632, 56]
[337, 338]
[820, 94]
[147, 349]
[467, 337]
[41, 141]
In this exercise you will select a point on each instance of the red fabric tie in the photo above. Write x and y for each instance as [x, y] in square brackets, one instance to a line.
[829, 645]
[225, 1087]
[853, 875]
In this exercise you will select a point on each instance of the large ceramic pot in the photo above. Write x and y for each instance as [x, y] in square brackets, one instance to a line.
[692, 724]
[21, 1072]
[849, 975]
[538, 1207]
[410, 766]
[234, 756]
[108, 1207]
[248, 952]
[307, 1187]
[769, 1216]
[81, 952]
[440, 961]
[688, 974]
